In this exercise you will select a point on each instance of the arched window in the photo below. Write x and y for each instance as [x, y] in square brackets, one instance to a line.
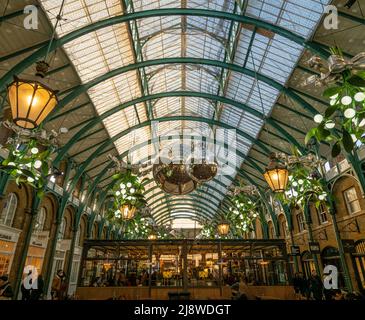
[9, 209]
[61, 232]
[40, 219]
[301, 221]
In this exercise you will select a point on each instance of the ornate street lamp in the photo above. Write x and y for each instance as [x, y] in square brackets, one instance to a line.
[127, 211]
[276, 174]
[223, 228]
[30, 100]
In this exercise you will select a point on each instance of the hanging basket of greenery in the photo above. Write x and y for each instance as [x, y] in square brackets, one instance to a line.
[343, 122]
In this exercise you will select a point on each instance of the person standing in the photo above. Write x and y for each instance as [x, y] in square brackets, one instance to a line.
[37, 293]
[58, 285]
[6, 292]
[316, 286]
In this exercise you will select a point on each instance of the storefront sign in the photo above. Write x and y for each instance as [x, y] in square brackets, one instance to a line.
[348, 245]
[9, 234]
[40, 239]
[314, 247]
[295, 250]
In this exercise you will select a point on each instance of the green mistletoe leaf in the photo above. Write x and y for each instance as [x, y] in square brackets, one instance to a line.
[357, 81]
[331, 110]
[347, 141]
[311, 133]
[329, 92]
[336, 149]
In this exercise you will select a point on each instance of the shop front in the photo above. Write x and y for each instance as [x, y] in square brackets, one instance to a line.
[8, 241]
[161, 267]
[359, 264]
[37, 250]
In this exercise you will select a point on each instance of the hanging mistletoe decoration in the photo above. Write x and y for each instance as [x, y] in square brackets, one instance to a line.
[128, 194]
[343, 122]
[29, 156]
[243, 212]
[305, 182]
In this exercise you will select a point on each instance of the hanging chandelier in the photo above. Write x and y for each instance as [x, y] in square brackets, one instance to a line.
[201, 165]
[173, 178]
[30, 100]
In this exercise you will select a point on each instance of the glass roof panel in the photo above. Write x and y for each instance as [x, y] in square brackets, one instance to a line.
[99, 52]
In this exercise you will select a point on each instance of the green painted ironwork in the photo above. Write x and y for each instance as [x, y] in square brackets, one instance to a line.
[16, 70]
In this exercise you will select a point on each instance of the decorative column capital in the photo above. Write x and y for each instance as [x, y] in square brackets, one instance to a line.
[30, 211]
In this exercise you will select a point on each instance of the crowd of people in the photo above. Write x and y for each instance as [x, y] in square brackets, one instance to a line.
[312, 289]
[32, 292]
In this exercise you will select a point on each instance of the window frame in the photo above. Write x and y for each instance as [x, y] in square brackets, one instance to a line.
[349, 202]
[44, 216]
[6, 210]
[321, 213]
[301, 222]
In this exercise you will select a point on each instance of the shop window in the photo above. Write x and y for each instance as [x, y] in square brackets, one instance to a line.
[40, 219]
[301, 222]
[359, 258]
[6, 254]
[77, 236]
[351, 200]
[283, 228]
[74, 271]
[9, 209]
[327, 166]
[322, 213]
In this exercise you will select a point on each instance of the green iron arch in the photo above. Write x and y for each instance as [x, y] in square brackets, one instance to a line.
[179, 200]
[184, 60]
[20, 67]
[193, 195]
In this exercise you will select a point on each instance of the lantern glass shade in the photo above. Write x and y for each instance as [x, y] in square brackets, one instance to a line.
[31, 102]
[223, 228]
[152, 236]
[276, 175]
[128, 211]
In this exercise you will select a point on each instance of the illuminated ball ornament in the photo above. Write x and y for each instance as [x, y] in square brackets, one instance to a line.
[30, 100]
[359, 97]
[37, 164]
[346, 100]
[362, 123]
[34, 150]
[318, 118]
[349, 113]
[329, 124]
